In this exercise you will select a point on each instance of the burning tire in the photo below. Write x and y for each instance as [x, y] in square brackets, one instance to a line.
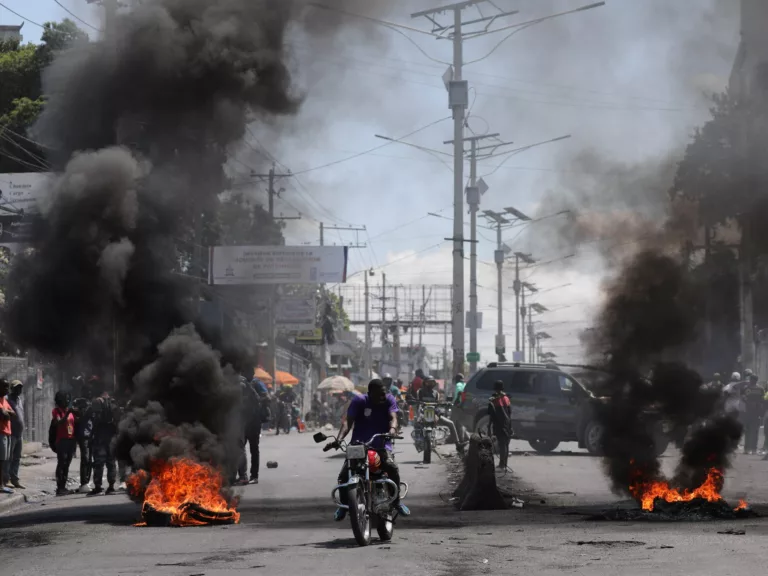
[593, 437]
[544, 445]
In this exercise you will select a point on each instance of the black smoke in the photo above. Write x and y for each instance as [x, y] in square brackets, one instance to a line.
[139, 125]
[651, 317]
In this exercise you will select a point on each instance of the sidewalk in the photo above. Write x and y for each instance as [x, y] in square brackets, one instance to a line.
[38, 475]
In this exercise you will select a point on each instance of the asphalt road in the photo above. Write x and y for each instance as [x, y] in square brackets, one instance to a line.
[287, 527]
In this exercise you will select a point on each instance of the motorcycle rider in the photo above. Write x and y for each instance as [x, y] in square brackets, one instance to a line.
[429, 392]
[500, 411]
[458, 389]
[417, 382]
[368, 415]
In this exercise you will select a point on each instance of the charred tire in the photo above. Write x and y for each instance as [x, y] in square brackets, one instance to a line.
[358, 516]
[385, 528]
[543, 445]
[427, 449]
[593, 437]
[483, 428]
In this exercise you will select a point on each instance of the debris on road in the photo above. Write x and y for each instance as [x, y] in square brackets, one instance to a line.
[733, 532]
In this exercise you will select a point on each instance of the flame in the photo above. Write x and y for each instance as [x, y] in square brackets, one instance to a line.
[172, 485]
[647, 492]
[742, 505]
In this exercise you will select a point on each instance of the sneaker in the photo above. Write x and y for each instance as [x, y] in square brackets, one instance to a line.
[84, 489]
[253, 480]
[62, 492]
[241, 482]
[110, 490]
[340, 514]
[6, 490]
[95, 492]
[403, 510]
[19, 485]
[123, 487]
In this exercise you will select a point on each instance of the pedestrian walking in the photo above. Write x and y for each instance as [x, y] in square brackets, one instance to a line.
[104, 416]
[754, 408]
[500, 412]
[6, 415]
[63, 424]
[17, 430]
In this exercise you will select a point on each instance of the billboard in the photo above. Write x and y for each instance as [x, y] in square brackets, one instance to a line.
[296, 314]
[238, 265]
[20, 195]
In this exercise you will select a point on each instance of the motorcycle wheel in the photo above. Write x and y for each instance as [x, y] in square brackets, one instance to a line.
[427, 449]
[385, 529]
[358, 515]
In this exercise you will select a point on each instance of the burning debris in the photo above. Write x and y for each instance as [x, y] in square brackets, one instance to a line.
[182, 492]
[139, 125]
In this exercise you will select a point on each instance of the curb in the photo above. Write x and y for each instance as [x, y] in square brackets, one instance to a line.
[10, 502]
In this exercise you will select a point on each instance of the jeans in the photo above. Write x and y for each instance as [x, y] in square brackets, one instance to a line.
[252, 437]
[751, 432]
[86, 460]
[103, 455]
[503, 441]
[15, 461]
[388, 465]
[65, 451]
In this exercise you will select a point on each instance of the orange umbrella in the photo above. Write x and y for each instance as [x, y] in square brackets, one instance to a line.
[286, 378]
[283, 378]
[262, 375]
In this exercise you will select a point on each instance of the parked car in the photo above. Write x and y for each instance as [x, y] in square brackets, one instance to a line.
[549, 406]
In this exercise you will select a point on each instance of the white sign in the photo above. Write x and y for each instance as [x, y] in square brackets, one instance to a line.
[20, 197]
[296, 314]
[236, 265]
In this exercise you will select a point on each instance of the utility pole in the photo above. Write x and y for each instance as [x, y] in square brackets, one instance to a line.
[413, 328]
[475, 190]
[367, 353]
[383, 317]
[458, 101]
[519, 312]
[323, 366]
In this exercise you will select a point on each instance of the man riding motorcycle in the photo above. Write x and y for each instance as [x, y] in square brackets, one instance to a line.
[368, 415]
[429, 392]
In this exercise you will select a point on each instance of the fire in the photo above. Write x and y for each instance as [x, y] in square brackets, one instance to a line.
[646, 492]
[183, 488]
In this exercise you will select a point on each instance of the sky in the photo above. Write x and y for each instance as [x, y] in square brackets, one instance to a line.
[629, 82]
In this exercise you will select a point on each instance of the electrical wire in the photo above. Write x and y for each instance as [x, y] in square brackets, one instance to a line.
[22, 17]
[364, 152]
[29, 153]
[76, 17]
[507, 37]
[407, 256]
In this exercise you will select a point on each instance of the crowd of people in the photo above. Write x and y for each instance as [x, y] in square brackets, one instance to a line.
[748, 399]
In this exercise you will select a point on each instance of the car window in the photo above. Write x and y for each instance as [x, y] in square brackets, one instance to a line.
[484, 381]
[566, 384]
[522, 382]
[548, 384]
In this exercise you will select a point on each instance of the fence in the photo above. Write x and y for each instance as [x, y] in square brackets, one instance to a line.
[38, 396]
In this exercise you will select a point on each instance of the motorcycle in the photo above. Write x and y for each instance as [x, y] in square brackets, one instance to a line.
[432, 426]
[370, 494]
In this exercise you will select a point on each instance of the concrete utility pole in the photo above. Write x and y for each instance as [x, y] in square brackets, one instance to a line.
[510, 217]
[527, 259]
[458, 101]
[367, 352]
[523, 311]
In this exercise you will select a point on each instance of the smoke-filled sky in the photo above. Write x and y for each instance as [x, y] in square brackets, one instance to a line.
[629, 81]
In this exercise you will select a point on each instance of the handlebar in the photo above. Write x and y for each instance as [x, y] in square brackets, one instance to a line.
[339, 444]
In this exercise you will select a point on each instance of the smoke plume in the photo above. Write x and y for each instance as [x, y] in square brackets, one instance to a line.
[139, 125]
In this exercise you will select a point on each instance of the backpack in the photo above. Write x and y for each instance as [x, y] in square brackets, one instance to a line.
[52, 436]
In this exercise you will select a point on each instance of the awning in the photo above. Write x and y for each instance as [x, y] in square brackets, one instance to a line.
[283, 378]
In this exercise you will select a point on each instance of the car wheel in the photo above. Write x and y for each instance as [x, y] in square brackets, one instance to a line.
[593, 437]
[544, 446]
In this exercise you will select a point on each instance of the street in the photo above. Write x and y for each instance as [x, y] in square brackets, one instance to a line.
[287, 527]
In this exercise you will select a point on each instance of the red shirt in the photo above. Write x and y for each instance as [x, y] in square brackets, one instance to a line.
[5, 423]
[416, 384]
[66, 429]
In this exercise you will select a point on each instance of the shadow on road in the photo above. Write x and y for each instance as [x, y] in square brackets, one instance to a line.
[114, 514]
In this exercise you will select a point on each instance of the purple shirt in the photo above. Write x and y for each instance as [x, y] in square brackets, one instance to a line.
[370, 419]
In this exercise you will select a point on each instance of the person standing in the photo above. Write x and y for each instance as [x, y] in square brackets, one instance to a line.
[63, 421]
[754, 408]
[500, 412]
[458, 389]
[6, 415]
[83, 434]
[104, 416]
[17, 430]
[258, 413]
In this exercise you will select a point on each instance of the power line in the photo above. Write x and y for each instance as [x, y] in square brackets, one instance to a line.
[22, 17]
[75, 16]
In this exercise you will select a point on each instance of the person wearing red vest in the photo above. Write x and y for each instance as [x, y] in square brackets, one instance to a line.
[500, 411]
